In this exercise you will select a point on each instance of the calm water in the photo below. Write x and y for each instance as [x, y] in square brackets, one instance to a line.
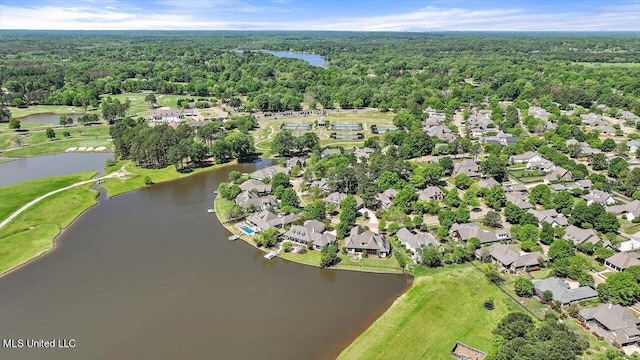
[50, 165]
[312, 59]
[47, 118]
[151, 275]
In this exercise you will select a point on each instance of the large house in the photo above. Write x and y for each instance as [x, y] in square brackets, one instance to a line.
[600, 197]
[550, 216]
[311, 233]
[330, 152]
[467, 167]
[251, 201]
[580, 236]
[337, 197]
[256, 186]
[268, 172]
[415, 241]
[539, 113]
[386, 198]
[266, 220]
[440, 132]
[363, 153]
[295, 161]
[464, 232]
[558, 174]
[562, 292]
[621, 261]
[488, 183]
[431, 193]
[613, 322]
[520, 200]
[322, 184]
[361, 240]
[169, 115]
[631, 210]
[526, 158]
[511, 259]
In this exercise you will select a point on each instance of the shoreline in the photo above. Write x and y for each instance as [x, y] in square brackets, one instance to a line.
[230, 227]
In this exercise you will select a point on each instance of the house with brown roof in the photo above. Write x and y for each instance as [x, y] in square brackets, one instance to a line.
[467, 167]
[366, 241]
[621, 261]
[464, 232]
[613, 322]
[511, 259]
[311, 233]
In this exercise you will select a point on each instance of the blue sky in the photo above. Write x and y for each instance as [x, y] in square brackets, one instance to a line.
[359, 15]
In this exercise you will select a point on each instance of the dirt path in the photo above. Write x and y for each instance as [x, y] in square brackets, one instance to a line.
[269, 137]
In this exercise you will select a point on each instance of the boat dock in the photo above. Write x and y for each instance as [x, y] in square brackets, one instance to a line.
[271, 255]
[233, 237]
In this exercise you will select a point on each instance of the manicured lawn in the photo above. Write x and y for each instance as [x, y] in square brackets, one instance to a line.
[138, 106]
[444, 306]
[58, 146]
[32, 232]
[223, 207]
[312, 257]
[40, 109]
[16, 195]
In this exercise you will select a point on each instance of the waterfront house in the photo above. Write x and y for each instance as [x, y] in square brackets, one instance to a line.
[509, 258]
[311, 233]
[464, 232]
[621, 261]
[613, 322]
[295, 161]
[415, 242]
[255, 186]
[251, 201]
[366, 241]
[562, 292]
[268, 172]
[266, 220]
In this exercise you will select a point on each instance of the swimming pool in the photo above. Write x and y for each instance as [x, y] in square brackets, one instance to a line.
[247, 230]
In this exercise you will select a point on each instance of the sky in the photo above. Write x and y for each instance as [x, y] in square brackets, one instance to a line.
[334, 15]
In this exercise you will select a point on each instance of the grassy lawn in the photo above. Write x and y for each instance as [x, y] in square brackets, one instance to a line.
[444, 305]
[16, 195]
[312, 257]
[32, 232]
[40, 109]
[138, 106]
[223, 207]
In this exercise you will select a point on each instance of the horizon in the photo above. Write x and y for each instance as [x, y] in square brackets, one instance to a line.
[332, 15]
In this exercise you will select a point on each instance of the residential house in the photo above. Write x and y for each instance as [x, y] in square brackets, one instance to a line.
[582, 236]
[631, 210]
[322, 184]
[628, 116]
[539, 113]
[511, 259]
[415, 241]
[515, 188]
[169, 115]
[330, 152]
[312, 233]
[613, 322]
[520, 200]
[488, 183]
[479, 123]
[562, 292]
[592, 119]
[467, 167]
[361, 240]
[588, 151]
[583, 185]
[431, 193]
[600, 197]
[525, 158]
[550, 216]
[605, 129]
[621, 261]
[295, 161]
[336, 198]
[543, 165]
[557, 187]
[386, 198]
[268, 172]
[251, 201]
[464, 232]
[256, 186]
[363, 153]
[266, 220]
[558, 174]
[633, 145]
[440, 132]
[629, 245]
[501, 138]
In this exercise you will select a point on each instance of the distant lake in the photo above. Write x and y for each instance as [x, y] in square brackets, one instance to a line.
[312, 59]
[50, 165]
[48, 118]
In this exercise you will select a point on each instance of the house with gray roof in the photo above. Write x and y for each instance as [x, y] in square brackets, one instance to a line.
[628, 115]
[515, 188]
[337, 197]
[268, 172]
[295, 161]
[501, 138]
[558, 174]
[511, 259]
[467, 167]
[311, 233]
[520, 200]
[363, 153]
[415, 241]
[330, 152]
[488, 183]
[464, 232]
[539, 113]
[621, 261]
[431, 193]
[583, 185]
[251, 201]
[631, 210]
[525, 158]
[256, 186]
[322, 184]
[580, 236]
[550, 216]
[361, 240]
[440, 132]
[386, 198]
[562, 292]
[598, 196]
[266, 220]
[613, 322]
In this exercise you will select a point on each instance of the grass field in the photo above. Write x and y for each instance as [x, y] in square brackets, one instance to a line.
[32, 232]
[223, 207]
[54, 109]
[16, 195]
[312, 258]
[35, 142]
[443, 306]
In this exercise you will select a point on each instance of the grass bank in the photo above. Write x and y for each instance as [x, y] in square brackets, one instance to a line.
[32, 232]
[16, 195]
[35, 142]
[443, 306]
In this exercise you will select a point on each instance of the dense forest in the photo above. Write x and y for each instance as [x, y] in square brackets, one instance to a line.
[383, 70]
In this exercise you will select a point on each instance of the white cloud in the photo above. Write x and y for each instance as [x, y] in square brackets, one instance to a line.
[92, 17]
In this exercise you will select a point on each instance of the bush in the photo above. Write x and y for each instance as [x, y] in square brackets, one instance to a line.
[148, 181]
[66, 133]
[109, 162]
[286, 246]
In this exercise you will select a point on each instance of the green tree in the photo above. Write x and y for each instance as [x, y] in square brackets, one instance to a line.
[512, 213]
[547, 234]
[620, 288]
[267, 237]
[599, 162]
[523, 287]
[607, 223]
[608, 145]
[430, 256]
[316, 210]
[14, 124]
[329, 256]
[495, 197]
[617, 166]
[347, 216]
[560, 249]
[492, 219]
[289, 199]
[462, 181]
[514, 325]
[51, 134]
[280, 179]
[540, 194]
[492, 273]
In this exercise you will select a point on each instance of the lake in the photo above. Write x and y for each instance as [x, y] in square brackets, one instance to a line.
[312, 59]
[47, 118]
[151, 275]
[50, 165]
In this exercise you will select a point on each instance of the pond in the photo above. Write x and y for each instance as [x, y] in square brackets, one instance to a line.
[47, 118]
[312, 59]
[37, 167]
[151, 275]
